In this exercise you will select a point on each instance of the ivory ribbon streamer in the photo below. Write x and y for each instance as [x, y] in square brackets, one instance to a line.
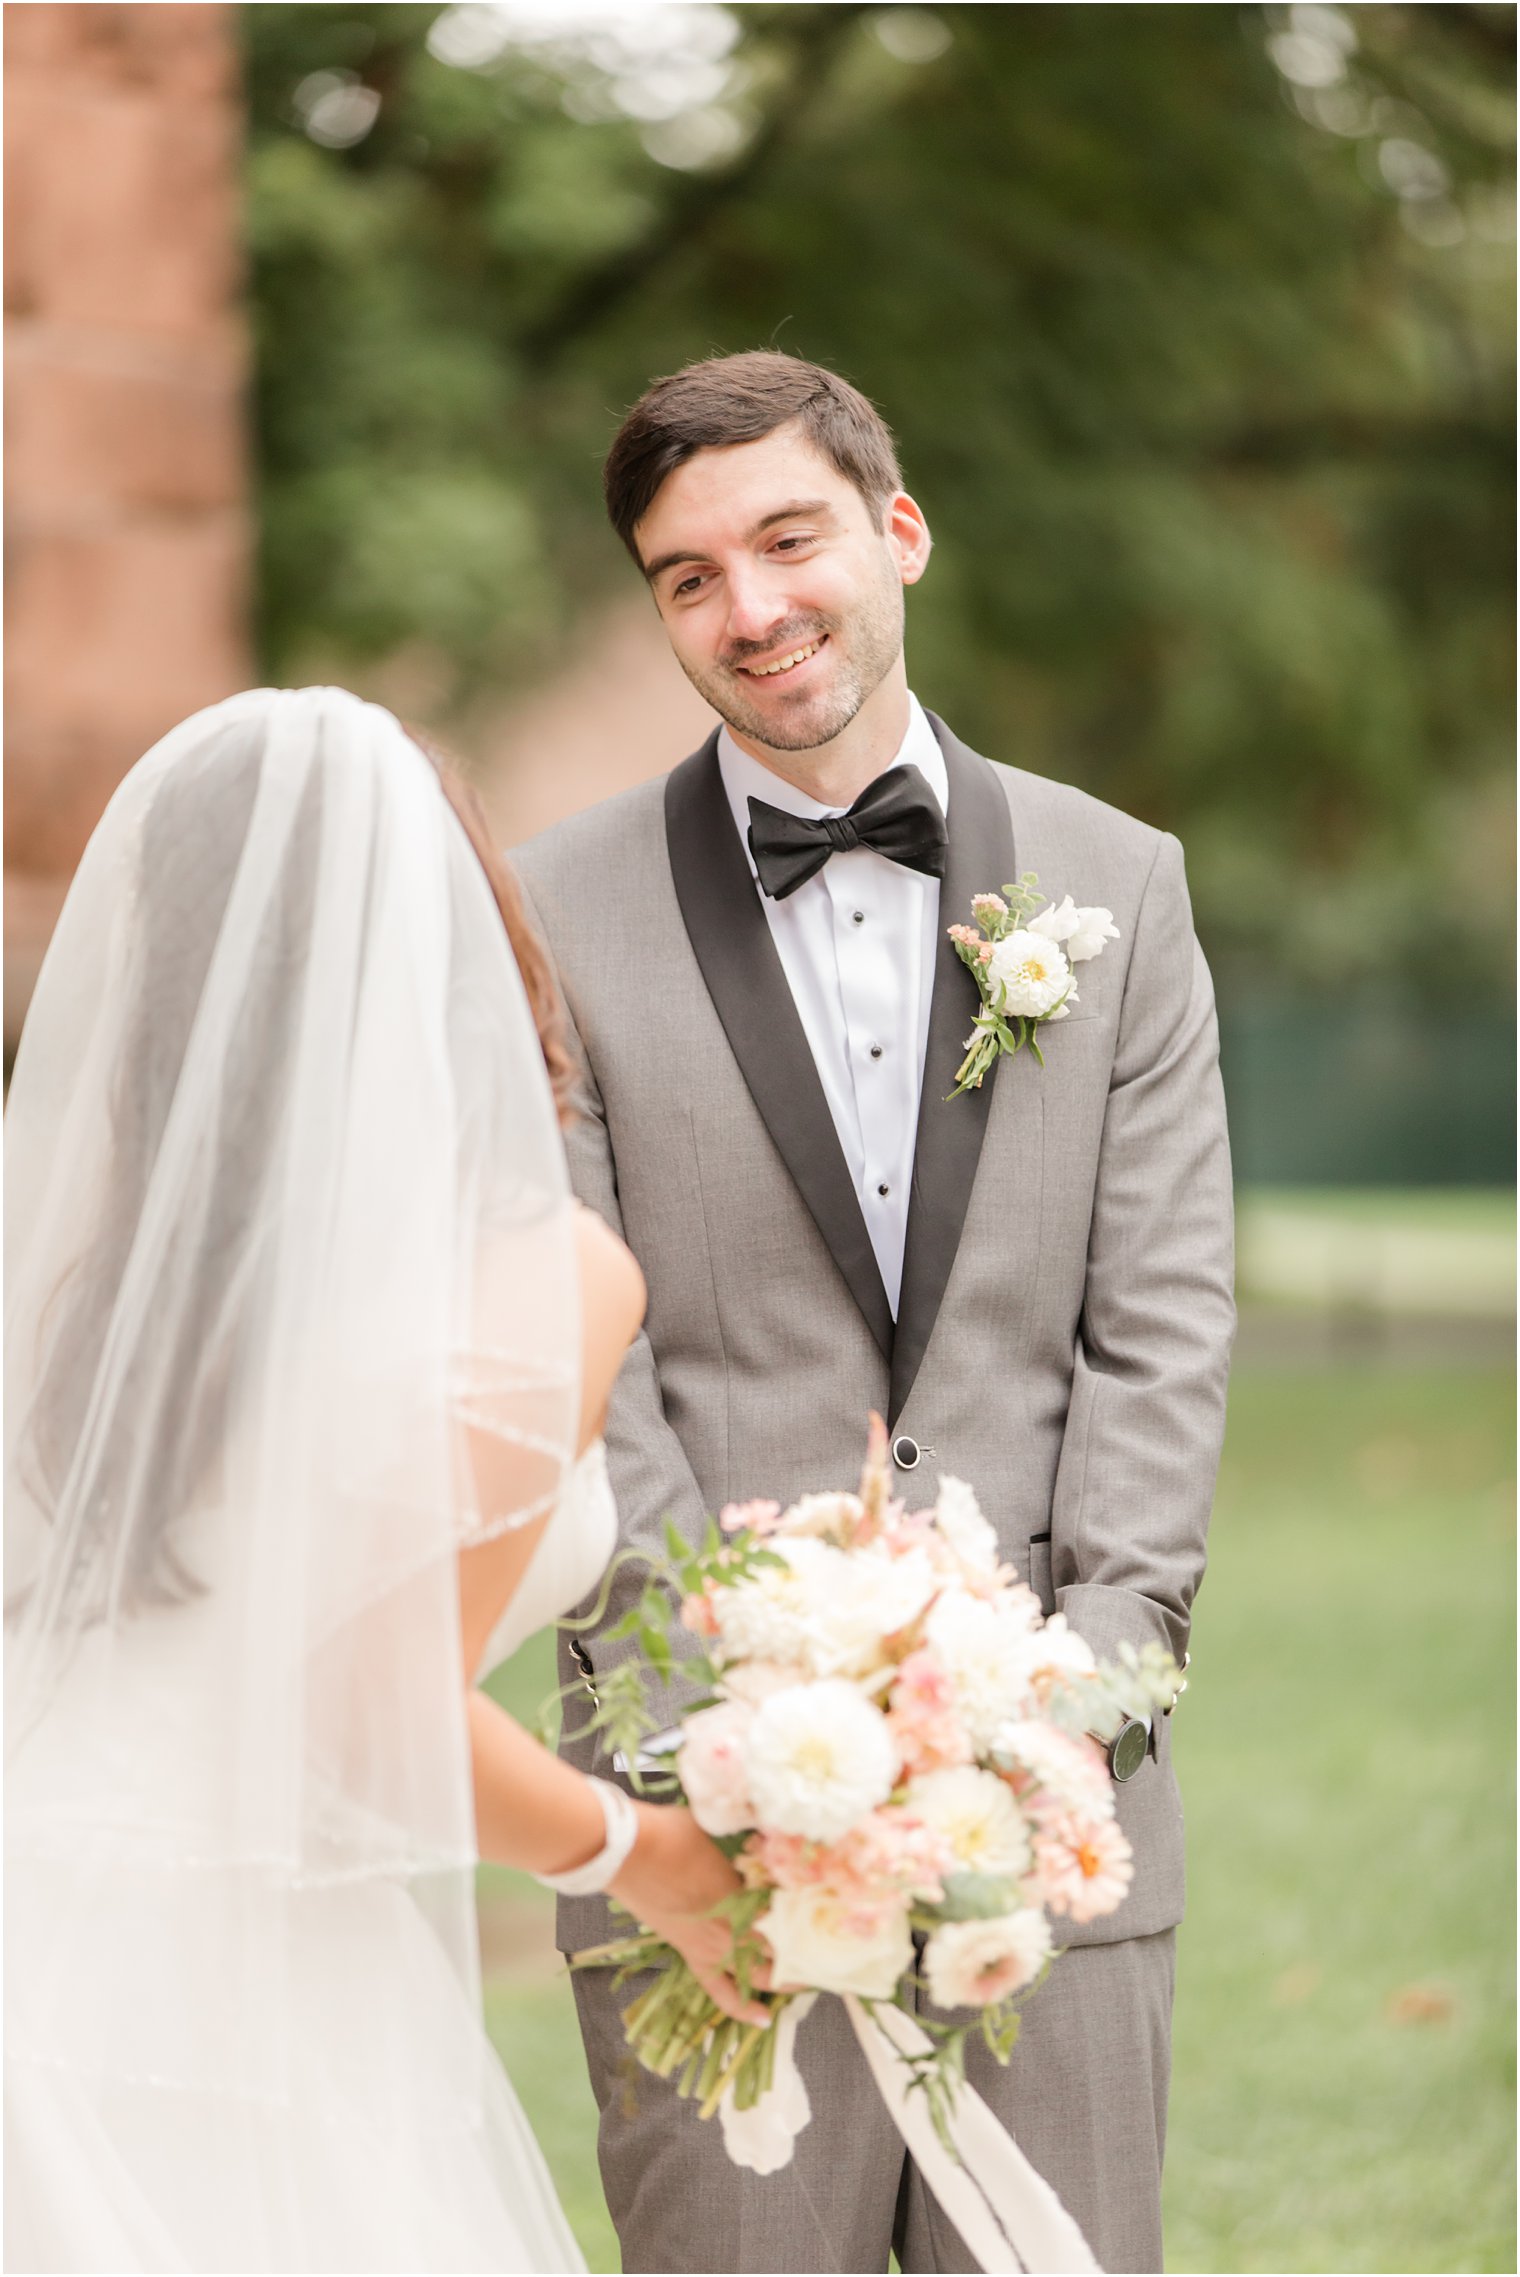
[1008, 2215]
[764, 2137]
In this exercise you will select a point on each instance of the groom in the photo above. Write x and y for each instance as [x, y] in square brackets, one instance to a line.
[1031, 1282]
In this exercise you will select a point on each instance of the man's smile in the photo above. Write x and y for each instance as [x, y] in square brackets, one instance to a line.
[776, 665]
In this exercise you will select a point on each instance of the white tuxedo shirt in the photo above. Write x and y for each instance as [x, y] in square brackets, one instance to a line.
[857, 945]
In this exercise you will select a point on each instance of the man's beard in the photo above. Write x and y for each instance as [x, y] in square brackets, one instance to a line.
[875, 643]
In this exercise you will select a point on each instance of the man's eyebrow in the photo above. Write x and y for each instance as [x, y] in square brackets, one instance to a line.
[785, 513]
[654, 569]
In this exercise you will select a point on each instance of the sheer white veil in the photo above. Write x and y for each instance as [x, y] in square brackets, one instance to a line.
[287, 1222]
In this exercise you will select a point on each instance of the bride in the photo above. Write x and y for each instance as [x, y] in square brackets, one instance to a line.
[307, 1350]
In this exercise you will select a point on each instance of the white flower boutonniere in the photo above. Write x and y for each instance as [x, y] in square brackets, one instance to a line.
[1022, 964]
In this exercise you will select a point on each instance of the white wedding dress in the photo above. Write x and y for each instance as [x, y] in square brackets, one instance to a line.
[156, 2167]
[573, 1553]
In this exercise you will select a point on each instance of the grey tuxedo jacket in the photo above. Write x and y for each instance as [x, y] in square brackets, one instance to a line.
[1064, 1327]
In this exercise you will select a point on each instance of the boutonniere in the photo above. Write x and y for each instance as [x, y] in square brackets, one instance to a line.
[1022, 965]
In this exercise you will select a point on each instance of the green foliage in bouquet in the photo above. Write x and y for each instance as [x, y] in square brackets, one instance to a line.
[623, 1714]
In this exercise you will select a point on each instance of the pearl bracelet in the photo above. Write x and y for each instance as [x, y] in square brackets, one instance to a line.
[622, 1824]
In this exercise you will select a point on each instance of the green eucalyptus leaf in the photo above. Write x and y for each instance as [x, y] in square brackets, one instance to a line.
[977, 1897]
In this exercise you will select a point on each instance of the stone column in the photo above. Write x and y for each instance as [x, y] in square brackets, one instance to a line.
[128, 530]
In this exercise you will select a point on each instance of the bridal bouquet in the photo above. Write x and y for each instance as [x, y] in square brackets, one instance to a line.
[892, 1740]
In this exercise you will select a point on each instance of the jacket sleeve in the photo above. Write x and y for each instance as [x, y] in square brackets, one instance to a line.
[651, 1476]
[1140, 1455]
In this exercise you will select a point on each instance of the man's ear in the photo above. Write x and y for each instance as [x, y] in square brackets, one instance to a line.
[908, 536]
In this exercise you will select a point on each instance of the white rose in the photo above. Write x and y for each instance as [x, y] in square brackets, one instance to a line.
[836, 1607]
[755, 1680]
[1032, 972]
[982, 1646]
[1072, 1771]
[1057, 924]
[1083, 931]
[819, 1758]
[836, 1515]
[860, 1601]
[1056, 1651]
[1093, 928]
[711, 1767]
[970, 1964]
[958, 1515]
[812, 1944]
[977, 1815]
[764, 1617]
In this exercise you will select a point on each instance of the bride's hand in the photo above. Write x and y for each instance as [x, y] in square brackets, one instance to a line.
[674, 1876]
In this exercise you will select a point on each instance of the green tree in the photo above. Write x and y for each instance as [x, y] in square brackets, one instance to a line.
[1194, 324]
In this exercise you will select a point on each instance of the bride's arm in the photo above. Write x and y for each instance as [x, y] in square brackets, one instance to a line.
[612, 1306]
[532, 1810]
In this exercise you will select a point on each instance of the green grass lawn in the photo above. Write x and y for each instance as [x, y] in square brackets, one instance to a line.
[1343, 2089]
[1344, 2066]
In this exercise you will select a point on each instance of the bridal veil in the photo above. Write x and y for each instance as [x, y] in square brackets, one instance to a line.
[286, 1222]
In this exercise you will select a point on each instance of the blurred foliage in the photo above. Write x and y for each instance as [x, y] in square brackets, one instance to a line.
[1194, 324]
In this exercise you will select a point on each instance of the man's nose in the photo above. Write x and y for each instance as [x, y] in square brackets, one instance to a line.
[755, 608]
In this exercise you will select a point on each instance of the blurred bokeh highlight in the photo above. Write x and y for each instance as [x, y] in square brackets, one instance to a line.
[1196, 328]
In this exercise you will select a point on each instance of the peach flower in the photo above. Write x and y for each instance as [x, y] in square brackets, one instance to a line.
[922, 1718]
[749, 1517]
[699, 1614]
[888, 1855]
[1083, 1867]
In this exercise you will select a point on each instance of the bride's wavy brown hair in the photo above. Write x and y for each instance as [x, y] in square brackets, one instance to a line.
[532, 960]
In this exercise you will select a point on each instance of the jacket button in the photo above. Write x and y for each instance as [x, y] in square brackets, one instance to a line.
[905, 1452]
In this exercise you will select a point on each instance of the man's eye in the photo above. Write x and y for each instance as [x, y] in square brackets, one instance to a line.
[687, 585]
[789, 545]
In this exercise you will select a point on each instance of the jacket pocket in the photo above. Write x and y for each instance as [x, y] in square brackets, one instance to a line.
[1039, 1573]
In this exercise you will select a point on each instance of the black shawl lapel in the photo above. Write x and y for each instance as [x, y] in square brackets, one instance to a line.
[949, 1142]
[732, 942]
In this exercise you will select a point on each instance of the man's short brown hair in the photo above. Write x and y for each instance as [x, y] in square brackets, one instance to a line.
[738, 399]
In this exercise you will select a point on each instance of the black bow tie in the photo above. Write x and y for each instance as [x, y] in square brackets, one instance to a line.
[897, 815]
